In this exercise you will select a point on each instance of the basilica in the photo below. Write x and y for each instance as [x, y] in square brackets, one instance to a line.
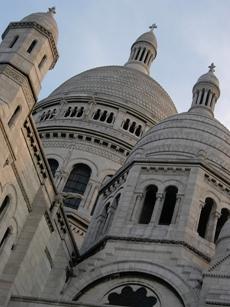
[108, 196]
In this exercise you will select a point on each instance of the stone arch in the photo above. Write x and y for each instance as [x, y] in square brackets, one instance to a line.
[154, 270]
[173, 182]
[150, 181]
[89, 163]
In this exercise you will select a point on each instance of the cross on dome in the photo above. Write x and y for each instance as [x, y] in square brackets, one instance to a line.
[212, 67]
[152, 27]
[52, 10]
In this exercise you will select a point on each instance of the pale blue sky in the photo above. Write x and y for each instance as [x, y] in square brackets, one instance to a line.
[190, 34]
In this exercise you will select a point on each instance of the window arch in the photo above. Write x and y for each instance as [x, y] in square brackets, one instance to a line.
[4, 205]
[224, 216]
[148, 205]
[77, 183]
[32, 45]
[205, 216]
[169, 205]
[53, 165]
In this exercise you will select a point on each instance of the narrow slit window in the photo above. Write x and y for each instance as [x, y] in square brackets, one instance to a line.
[31, 47]
[14, 41]
[14, 117]
[43, 60]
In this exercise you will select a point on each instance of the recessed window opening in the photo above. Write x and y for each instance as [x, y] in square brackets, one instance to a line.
[5, 237]
[138, 131]
[97, 114]
[202, 96]
[67, 113]
[150, 59]
[74, 112]
[4, 205]
[126, 124]
[204, 217]
[169, 205]
[47, 114]
[132, 128]
[148, 205]
[32, 45]
[110, 118]
[43, 60]
[14, 41]
[142, 54]
[43, 116]
[137, 55]
[80, 113]
[225, 214]
[14, 117]
[53, 113]
[53, 166]
[146, 57]
[207, 97]
[103, 117]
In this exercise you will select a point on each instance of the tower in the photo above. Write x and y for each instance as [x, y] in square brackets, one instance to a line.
[157, 220]
[90, 123]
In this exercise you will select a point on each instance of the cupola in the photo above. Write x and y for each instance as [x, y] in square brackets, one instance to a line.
[143, 51]
[206, 92]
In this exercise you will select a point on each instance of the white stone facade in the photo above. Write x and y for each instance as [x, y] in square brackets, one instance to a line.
[156, 183]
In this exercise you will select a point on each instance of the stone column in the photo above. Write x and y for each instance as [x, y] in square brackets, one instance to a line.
[137, 207]
[201, 205]
[211, 227]
[176, 209]
[157, 209]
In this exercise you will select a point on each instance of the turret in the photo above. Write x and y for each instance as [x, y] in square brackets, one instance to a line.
[30, 46]
[143, 51]
[206, 92]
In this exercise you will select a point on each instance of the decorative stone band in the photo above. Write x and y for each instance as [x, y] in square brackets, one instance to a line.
[101, 245]
[39, 28]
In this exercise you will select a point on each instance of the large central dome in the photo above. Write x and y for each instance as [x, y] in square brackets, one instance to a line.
[124, 85]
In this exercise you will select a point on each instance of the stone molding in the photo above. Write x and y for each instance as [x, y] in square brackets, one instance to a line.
[39, 28]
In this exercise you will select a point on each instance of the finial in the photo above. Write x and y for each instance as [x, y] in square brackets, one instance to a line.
[212, 67]
[152, 27]
[52, 10]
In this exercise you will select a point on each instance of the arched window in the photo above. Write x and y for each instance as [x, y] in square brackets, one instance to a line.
[126, 124]
[43, 60]
[97, 114]
[67, 113]
[132, 128]
[80, 112]
[169, 205]
[204, 216]
[13, 41]
[14, 116]
[148, 205]
[138, 131]
[4, 205]
[74, 112]
[77, 183]
[110, 118]
[31, 47]
[225, 214]
[53, 166]
[103, 117]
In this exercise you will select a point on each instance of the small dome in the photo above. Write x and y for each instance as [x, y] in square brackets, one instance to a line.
[209, 77]
[186, 137]
[46, 20]
[148, 37]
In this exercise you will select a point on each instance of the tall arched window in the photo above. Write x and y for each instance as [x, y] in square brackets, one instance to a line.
[169, 205]
[225, 214]
[53, 166]
[148, 205]
[77, 183]
[205, 216]
[4, 205]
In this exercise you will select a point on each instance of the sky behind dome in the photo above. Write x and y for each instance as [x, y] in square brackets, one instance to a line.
[190, 35]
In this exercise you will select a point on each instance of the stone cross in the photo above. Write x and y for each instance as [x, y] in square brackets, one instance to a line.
[52, 10]
[152, 27]
[212, 67]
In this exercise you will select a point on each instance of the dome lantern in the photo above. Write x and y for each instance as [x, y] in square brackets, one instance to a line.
[206, 92]
[143, 51]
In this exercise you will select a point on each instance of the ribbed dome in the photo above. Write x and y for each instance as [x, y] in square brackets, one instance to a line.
[148, 37]
[123, 85]
[46, 20]
[209, 77]
[186, 137]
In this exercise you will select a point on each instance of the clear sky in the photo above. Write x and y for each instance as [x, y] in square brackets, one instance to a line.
[190, 34]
